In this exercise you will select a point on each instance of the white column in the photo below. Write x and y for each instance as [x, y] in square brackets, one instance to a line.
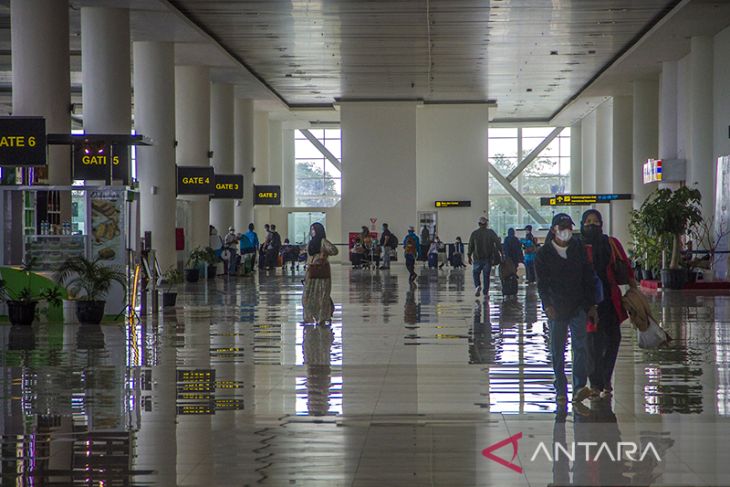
[261, 147]
[576, 163]
[243, 159]
[621, 166]
[275, 152]
[379, 138]
[154, 116]
[192, 132]
[668, 110]
[106, 70]
[604, 147]
[701, 164]
[221, 143]
[39, 41]
[588, 152]
[288, 176]
[645, 136]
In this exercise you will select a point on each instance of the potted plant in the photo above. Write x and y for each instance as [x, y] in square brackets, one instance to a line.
[709, 234]
[22, 303]
[212, 260]
[170, 278]
[667, 213]
[90, 281]
[192, 268]
[645, 249]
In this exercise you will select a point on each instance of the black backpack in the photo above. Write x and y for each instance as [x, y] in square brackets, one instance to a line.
[393, 242]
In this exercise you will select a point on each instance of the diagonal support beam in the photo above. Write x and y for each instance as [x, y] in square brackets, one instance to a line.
[321, 148]
[533, 155]
[515, 194]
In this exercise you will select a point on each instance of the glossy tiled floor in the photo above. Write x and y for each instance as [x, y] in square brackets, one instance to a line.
[407, 388]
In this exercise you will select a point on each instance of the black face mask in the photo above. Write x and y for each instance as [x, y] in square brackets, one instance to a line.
[592, 232]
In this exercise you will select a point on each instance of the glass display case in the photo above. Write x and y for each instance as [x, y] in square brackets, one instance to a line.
[49, 251]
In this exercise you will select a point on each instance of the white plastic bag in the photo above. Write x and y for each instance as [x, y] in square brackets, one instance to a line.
[654, 336]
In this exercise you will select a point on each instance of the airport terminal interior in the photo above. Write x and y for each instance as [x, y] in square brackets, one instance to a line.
[353, 242]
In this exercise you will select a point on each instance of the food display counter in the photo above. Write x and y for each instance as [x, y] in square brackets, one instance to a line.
[48, 252]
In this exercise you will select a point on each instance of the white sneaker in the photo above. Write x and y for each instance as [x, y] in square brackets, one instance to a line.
[478, 291]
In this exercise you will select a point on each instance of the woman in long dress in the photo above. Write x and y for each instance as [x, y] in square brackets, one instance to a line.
[317, 302]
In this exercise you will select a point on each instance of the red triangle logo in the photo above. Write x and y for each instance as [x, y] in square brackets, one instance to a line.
[487, 452]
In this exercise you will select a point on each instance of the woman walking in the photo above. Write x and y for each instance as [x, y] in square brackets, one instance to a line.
[318, 305]
[613, 269]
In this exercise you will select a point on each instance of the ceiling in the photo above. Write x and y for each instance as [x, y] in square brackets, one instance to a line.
[530, 56]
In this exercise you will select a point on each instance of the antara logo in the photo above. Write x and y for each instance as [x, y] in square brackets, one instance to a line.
[591, 451]
[487, 452]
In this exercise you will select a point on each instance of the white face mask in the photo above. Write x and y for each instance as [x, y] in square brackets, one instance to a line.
[564, 235]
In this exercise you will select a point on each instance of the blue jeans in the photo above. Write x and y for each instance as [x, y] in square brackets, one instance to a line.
[558, 338]
[481, 267]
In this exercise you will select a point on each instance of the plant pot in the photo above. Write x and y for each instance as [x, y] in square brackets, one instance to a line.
[192, 275]
[674, 278]
[90, 312]
[169, 300]
[69, 311]
[212, 271]
[21, 312]
[708, 275]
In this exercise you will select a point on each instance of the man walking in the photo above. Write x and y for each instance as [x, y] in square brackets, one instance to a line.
[565, 282]
[483, 245]
[387, 243]
[411, 246]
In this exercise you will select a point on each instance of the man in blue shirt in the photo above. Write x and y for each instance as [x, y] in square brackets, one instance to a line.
[251, 243]
[411, 244]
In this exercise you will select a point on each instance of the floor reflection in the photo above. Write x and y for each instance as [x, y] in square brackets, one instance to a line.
[231, 387]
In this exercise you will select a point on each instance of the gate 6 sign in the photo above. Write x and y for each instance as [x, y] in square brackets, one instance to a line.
[22, 141]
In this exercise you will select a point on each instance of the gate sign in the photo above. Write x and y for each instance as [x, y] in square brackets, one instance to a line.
[452, 204]
[193, 180]
[92, 161]
[228, 186]
[267, 195]
[22, 141]
[582, 199]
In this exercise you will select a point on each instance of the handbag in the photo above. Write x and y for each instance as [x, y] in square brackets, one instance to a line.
[620, 267]
[319, 269]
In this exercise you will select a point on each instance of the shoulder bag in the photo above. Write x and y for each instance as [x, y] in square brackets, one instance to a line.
[319, 268]
[620, 266]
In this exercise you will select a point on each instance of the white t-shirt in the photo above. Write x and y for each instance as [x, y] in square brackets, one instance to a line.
[562, 251]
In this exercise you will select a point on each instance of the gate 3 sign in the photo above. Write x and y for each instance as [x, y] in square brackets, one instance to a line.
[22, 141]
[228, 186]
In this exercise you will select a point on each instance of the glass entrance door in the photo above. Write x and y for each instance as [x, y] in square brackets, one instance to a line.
[299, 223]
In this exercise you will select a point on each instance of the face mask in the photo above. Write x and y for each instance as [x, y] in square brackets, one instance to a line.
[592, 231]
[564, 235]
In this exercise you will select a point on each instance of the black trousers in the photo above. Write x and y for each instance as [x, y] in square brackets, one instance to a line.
[603, 346]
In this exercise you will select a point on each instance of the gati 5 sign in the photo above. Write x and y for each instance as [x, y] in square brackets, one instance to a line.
[95, 161]
[22, 141]
[195, 180]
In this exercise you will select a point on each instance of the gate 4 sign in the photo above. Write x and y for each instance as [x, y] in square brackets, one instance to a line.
[22, 141]
[228, 186]
[198, 180]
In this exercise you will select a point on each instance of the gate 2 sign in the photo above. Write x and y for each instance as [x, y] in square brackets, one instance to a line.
[228, 186]
[22, 141]
[267, 195]
[198, 180]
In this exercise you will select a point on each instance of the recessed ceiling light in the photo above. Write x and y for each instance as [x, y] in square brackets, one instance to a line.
[553, 53]
[529, 90]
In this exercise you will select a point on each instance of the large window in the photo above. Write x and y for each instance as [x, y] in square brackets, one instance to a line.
[318, 181]
[549, 174]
